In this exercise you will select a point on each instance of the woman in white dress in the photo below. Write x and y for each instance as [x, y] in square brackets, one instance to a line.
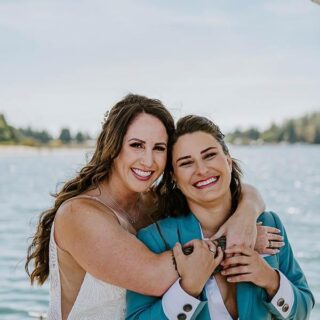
[86, 242]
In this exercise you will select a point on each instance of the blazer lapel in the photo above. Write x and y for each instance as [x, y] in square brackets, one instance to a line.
[189, 228]
[244, 300]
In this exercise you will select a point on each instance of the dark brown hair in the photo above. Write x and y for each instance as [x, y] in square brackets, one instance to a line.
[108, 147]
[172, 201]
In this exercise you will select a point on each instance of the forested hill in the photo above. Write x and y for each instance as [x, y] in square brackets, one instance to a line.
[30, 137]
[305, 129]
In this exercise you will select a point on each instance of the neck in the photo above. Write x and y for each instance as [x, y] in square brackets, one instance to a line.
[126, 199]
[212, 215]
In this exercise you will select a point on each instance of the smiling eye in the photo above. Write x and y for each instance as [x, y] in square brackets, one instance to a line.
[185, 164]
[210, 155]
[136, 145]
[160, 148]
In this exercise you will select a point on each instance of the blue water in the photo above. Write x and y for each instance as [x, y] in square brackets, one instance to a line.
[287, 176]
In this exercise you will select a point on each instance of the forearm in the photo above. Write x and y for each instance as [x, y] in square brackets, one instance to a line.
[162, 275]
[251, 201]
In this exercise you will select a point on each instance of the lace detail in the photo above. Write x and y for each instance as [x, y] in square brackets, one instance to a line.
[97, 300]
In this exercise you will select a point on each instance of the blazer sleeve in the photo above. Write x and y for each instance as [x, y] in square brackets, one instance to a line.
[289, 266]
[145, 307]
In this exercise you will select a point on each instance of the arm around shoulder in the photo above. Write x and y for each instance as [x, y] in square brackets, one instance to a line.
[107, 251]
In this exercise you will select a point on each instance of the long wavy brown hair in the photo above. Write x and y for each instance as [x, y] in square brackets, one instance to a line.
[171, 199]
[108, 147]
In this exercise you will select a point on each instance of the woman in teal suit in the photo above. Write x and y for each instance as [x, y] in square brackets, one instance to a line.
[203, 193]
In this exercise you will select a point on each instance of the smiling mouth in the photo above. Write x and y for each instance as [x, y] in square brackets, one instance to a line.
[141, 174]
[206, 183]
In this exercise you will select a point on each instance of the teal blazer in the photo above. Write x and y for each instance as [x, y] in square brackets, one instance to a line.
[252, 301]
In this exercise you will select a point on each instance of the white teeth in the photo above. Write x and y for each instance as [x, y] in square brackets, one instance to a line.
[142, 173]
[204, 183]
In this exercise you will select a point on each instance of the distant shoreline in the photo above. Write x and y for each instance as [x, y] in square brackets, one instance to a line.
[22, 148]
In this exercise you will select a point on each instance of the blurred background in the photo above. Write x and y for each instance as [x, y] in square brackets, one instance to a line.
[251, 66]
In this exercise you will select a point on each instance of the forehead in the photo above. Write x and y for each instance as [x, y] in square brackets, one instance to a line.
[148, 128]
[194, 143]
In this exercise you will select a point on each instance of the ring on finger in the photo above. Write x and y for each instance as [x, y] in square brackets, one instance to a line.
[270, 244]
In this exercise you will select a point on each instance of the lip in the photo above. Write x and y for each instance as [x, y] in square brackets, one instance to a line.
[142, 178]
[210, 184]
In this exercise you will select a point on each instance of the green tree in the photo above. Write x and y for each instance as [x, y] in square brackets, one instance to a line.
[65, 136]
[80, 138]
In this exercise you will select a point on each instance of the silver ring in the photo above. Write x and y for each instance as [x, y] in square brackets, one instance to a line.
[213, 251]
[270, 244]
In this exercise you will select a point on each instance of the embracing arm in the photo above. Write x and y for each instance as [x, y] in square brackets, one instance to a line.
[240, 228]
[174, 302]
[103, 248]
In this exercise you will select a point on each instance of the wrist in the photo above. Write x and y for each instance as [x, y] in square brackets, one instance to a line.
[273, 284]
[189, 288]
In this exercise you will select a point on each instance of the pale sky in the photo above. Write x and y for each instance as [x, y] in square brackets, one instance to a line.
[243, 63]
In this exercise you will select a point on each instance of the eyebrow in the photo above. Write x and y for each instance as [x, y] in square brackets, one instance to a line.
[142, 141]
[188, 157]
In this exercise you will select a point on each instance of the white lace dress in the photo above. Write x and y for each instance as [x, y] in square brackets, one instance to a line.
[96, 300]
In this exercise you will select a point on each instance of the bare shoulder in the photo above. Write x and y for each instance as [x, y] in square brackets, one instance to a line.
[81, 216]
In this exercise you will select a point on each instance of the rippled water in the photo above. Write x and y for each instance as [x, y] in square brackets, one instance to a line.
[287, 176]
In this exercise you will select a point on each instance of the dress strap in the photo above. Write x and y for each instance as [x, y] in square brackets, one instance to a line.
[84, 196]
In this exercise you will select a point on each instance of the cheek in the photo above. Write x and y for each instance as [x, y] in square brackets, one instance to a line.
[161, 161]
[182, 177]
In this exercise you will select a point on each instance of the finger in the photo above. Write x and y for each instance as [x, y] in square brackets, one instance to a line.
[239, 278]
[177, 252]
[272, 230]
[239, 249]
[235, 271]
[275, 237]
[195, 243]
[211, 246]
[221, 232]
[276, 244]
[271, 251]
[219, 257]
[188, 244]
[235, 260]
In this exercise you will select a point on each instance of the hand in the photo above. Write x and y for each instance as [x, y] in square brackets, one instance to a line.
[268, 240]
[196, 268]
[238, 231]
[248, 266]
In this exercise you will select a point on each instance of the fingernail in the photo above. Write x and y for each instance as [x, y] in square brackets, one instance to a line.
[223, 272]
[228, 279]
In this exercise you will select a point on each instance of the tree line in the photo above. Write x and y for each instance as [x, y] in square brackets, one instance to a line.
[31, 137]
[305, 129]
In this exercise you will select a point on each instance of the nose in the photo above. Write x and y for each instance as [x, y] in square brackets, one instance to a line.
[147, 158]
[202, 169]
